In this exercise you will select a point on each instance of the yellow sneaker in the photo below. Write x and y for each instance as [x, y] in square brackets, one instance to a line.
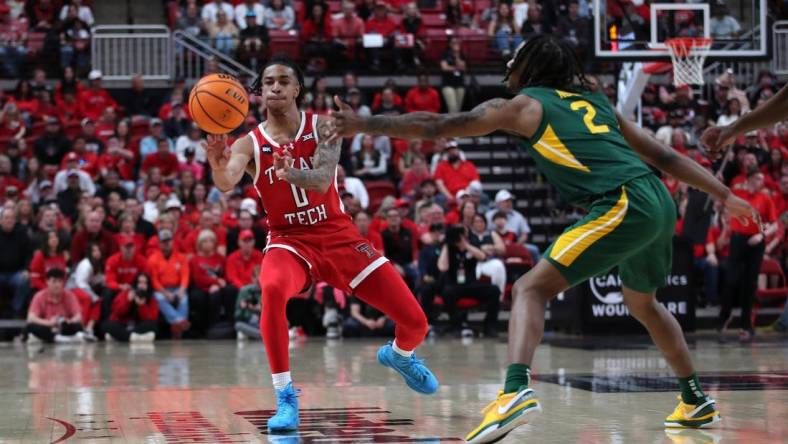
[508, 411]
[700, 415]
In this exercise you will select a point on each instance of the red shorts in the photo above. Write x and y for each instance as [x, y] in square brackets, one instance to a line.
[341, 258]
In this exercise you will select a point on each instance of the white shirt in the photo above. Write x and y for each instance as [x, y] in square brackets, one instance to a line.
[725, 28]
[210, 10]
[84, 14]
[515, 221]
[85, 182]
[725, 119]
[240, 15]
[150, 211]
[184, 142]
[355, 186]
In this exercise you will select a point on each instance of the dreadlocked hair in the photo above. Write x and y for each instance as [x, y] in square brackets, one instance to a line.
[548, 63]
[279, 59]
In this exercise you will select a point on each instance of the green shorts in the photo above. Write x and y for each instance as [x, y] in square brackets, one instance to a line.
[631, 227]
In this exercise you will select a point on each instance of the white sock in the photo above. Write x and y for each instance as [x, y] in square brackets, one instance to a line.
[400, 351]
[281, 380]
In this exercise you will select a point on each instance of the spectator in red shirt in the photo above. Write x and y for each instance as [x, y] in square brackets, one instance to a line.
[210, 223]
[163, 159]
[349, 29]
[123, 266]
[317, 37]
[50, 255]
[135, 313]
[241, 262]
[422, 97]
[362, 221]
[105, 128]
[94, 100]
[117, 160]
[92, 232]
[128, 225]
[746, 253]
[380, 23]
[454, 173]
[54, 313]
[212, 298]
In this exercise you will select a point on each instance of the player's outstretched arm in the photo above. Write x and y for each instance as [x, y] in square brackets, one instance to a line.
[324, 166]
[228, 165]
[681, 167]
[716, 139]
[520, 115]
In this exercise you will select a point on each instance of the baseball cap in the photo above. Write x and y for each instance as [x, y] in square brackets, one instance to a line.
[165, 235]
[475, 188]
[452, 144]
[401, 203]
[125, 241]
[353, 90]
[94, 74]
[86, 121]
[44, 184]
[173, 203]
[462, 193]
[72, 173]
[71, 156]
[753, 133]
[245, 235]
[249, 205]
[52, 120]
[503, 195]
[155, 121]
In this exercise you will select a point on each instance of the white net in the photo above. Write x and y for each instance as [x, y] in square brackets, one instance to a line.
[688, 55]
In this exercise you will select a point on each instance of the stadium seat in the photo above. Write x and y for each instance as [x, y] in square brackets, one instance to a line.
[436, 41]
[768, 296]
[433, 20]
[378, 190]
[35, 41]
[285, 42]
[475, 45]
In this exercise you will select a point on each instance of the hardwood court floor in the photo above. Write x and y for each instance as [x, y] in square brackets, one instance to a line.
[593, 391]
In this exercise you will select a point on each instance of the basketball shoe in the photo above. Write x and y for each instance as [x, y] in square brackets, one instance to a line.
[508, 411]
[416, 374]
[286, 417]
[703, 414]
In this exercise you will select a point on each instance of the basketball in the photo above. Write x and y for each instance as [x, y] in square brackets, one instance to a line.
[218, 103]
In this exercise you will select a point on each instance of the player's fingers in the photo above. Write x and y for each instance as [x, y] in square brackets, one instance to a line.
[340, 104]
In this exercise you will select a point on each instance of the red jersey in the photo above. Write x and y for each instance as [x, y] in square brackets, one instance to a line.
[762, 203]
[713, 236]
[291, 209]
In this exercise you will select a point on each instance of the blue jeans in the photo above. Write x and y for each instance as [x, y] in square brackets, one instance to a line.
[711, 279]
[172, 313]
[10, 59]
[224, 43]
[20, 286]
[507, 42]
[535, 253]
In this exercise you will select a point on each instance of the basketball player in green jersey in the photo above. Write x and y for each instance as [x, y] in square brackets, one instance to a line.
[595, 160]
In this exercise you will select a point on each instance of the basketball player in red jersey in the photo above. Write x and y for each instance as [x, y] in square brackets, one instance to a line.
[294, 166]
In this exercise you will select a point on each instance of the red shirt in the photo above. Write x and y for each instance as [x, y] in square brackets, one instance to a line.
[189, 244]
[140, 243]
[348, 31]
[68, 110]
[87, 162]
[79, 244]
[121, 309]
[92, 103]
[384, 27]
[206, 270]
[46, 307]
[167, 163]
[418, 99]
[762, 203]
[310, 30]
[104, 131]
[120, 271]
[42, 263]
[124, 167]
[240, 270]
[713, 236]
[456, 179]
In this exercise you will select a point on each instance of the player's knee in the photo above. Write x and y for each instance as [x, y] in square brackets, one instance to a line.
[641, 308]
[272, 295]
[526, 288]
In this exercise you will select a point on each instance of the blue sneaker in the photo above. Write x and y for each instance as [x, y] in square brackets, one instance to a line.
[416, 374]
[286, 417]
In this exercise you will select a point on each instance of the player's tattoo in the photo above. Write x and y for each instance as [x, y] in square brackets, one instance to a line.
[427, 125]
[324, 166]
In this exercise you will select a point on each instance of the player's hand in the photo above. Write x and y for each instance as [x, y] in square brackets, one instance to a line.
[282, 164]
[755, 239]
[346, 122]
[217, 151]
[716, 139]
[712, 260]
[741, 209]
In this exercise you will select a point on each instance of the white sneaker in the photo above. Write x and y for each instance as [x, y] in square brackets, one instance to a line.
[63, 339]
[466, 333]
[240, 336]
[142, 337]
[33, 339]
[333, 333]
[330, 317]
[108, 338]
[88, 336]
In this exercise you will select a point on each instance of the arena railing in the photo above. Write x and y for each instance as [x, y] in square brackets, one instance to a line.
[191, 55]
[780, 47]
[120, 51]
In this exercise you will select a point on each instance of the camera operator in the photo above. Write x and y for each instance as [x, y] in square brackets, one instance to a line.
[457, 261]
[135, 313]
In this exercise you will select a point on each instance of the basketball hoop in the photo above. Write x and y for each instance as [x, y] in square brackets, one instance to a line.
[688, 55]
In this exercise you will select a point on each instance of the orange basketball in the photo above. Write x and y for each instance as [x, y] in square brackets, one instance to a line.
[218, 103]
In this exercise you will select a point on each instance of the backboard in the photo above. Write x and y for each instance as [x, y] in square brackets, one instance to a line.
[637, 29]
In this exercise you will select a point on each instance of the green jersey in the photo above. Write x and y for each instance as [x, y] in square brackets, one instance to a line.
[579, 146]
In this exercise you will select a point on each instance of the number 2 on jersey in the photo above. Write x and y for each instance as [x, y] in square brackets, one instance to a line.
[588, 118]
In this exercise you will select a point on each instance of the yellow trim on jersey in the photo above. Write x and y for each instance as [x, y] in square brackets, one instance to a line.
[565, 94]
[551, 148]
[573, 243]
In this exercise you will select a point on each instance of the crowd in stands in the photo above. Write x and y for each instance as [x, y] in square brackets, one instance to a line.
[112, 229]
